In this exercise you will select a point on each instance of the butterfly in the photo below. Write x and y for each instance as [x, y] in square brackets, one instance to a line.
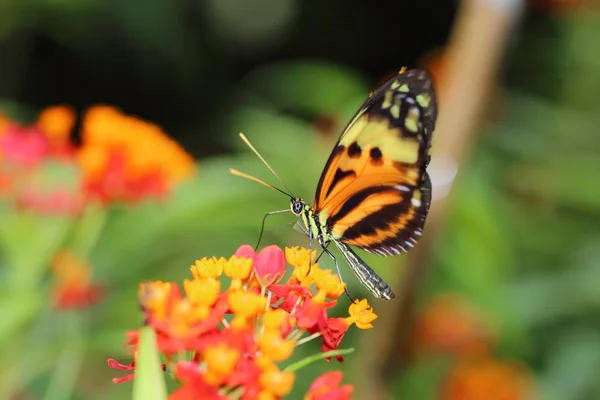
[374, 192]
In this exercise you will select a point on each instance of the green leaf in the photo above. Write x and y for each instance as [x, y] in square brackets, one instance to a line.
[308, 87]
[149, 382]
[320, 356]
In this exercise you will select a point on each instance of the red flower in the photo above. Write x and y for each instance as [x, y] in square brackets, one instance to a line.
[290, 293]
[332, 331]
[23, 146]
[114, 364]
[326, 387]
[312, 312]
[194, 386]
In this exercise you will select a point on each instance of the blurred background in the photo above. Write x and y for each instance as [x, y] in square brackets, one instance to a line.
[499, 301]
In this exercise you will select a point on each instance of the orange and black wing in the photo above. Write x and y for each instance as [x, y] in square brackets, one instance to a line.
[374, 192]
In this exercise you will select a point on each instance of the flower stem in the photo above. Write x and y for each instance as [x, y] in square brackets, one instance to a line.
[88, 229]
[68, 365]
[309, 360]
[308, 338]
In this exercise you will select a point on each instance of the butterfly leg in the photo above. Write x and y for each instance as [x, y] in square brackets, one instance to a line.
[310, 237]
[262, 227]
[337, 268]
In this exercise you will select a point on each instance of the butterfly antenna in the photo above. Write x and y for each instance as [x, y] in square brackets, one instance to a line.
[245, 139]
[255, 179]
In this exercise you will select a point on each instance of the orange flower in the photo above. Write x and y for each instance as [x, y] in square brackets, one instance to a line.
[154, 297]
[125, 159]
[245, 305]
[73, 287]
[57, 123]
[220, 361]
[4, 123]
[488, 379]
[278, 383]
[274, 346]
[449, 325]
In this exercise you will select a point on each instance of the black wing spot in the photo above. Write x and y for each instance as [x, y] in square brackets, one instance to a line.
[354, 150]
[376, 155]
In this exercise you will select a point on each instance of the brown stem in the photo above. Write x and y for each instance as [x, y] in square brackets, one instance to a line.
[472, 60]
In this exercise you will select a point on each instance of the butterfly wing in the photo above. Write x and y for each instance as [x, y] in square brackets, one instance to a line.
[374, 192]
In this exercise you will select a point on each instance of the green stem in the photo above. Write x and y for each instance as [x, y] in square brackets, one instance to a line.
[68, 365]
[149, 382]
[88, 229]
[308, 338]
[309, 360]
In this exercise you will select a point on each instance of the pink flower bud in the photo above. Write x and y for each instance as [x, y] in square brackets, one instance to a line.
[246, 251]
[269, 265]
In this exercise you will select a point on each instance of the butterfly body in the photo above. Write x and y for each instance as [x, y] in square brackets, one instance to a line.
[374, 192]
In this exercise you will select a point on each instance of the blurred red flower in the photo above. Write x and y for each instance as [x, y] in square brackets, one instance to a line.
[327, 387]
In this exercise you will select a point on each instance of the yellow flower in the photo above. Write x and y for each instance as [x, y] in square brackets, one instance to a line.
[245, 305]
[202, 293]
[329, 283]
[276, 347]
[279, 383]
[299, 257]
[274, 319]
[361, 314]
[238, 268]
[208, 268]
[153, 297]
[221, 360]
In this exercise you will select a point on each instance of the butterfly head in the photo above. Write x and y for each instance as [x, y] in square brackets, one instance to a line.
[297, 206]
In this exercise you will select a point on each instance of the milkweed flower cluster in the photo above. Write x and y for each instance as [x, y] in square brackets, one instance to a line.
[227, 340]
[121, 159]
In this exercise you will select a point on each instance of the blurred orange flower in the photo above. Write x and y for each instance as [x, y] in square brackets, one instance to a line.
[57, 123]
[126, 159]
[122, 159]
[4, 122]
[73, 282]
[448, 325]
[488, 379]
